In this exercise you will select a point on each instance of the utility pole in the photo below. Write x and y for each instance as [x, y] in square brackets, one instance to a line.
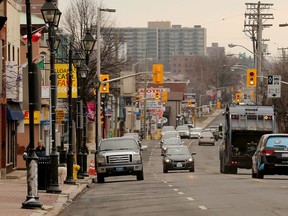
[254, 24]
[283, 52]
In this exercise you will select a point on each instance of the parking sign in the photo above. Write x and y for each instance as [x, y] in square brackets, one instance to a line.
[274, 86]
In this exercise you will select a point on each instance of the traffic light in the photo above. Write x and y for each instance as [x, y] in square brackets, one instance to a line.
[251, 77]
[102, 119]
[157, 70]
[238, 97]
[164, 96]
[104, 88]
[157, 96]
[189, 103]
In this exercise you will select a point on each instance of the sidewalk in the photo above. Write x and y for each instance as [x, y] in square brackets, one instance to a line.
[209, 119]
[13, 192]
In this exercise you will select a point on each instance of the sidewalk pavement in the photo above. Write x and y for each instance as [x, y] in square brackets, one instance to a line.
[13, 192]
[209, 119]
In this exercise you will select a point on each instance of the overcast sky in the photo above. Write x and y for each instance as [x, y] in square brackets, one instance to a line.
[223, 19]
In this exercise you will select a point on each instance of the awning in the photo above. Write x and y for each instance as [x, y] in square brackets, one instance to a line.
[14, 112]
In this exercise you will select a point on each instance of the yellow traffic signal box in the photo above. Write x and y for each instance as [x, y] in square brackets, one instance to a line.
[104, 88]
[189, 103]
[251, 77]
[164, 96]
[238, 97]
[157, 96]
[157, 70]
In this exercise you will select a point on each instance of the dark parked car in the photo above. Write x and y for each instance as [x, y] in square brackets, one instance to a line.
[178, 158]
[271, 156]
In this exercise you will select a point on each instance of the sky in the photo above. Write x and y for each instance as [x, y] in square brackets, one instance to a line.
[223, 19]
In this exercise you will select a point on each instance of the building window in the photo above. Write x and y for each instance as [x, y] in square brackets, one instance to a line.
[9, 51]
[13, 53]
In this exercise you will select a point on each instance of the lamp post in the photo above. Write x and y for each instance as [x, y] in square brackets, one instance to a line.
[145, 88]
[77, 59]
[88, 43]
[98, 125]
[32, 198]
[51, 17]
[258, 64]
[70, 155]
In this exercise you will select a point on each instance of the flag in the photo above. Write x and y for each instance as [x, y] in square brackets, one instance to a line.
[35, 36]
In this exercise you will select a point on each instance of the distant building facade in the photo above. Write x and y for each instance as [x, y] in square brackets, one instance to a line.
[215, 50]
[161, 41]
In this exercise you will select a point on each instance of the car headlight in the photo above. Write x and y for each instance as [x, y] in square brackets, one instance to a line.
[190, 159]
[137, 157]
[167, 160]
[100, 159]
[164, 148]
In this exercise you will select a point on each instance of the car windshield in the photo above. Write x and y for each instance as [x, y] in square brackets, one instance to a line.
[172, 141]
[177, 151]
[168, 128]
[196, 130]
[114, 144]
[182, 128]
[277, 142]
[206, 134]
[170, 134]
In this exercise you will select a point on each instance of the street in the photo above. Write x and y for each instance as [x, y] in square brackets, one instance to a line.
[205, 192]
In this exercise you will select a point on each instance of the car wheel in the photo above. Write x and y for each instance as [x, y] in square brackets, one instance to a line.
[100, 178]
[233, 170]
[192, 169]
[254, 175]
[140, 176]
[165, 170]
[260, 174]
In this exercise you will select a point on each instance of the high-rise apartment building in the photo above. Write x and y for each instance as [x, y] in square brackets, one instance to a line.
[161, 41]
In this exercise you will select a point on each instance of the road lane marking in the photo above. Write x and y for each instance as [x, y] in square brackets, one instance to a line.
[165, 182]
[170, 185]
[202, 207]
[190, 198]
[175, 189]
[191, 142]
[181, 193]
[284, 187]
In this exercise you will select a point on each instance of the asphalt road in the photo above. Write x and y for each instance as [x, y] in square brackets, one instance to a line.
[205, 192]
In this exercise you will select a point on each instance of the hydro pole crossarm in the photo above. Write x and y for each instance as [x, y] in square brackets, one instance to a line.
[123, 77]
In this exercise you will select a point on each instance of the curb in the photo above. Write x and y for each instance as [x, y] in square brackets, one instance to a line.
[64, 199]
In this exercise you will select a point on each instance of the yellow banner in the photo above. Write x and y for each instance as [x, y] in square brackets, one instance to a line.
[36, 117]
[62, 71]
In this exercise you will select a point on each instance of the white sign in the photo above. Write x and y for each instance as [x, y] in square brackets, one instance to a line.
[154, 104]
[274, 86]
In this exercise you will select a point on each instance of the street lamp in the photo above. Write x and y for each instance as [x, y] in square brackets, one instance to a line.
[132, 110]
[49, 12]
[258, 62]
[235, 45]
[77, 60]
[70, 155]
[98, 125]
[88, 43]
[32, 198]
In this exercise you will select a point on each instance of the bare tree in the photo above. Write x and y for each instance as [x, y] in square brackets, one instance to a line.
[80, 15]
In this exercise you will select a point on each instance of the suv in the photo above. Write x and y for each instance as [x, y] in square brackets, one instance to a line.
[119, 156]
[271, 155]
